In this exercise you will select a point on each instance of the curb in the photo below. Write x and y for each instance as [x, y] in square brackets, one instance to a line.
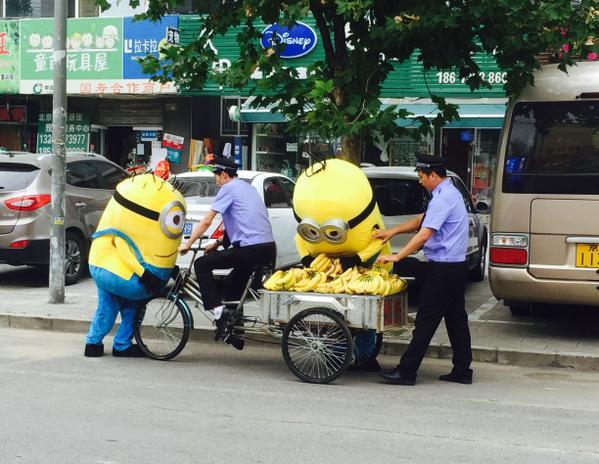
[498, 355]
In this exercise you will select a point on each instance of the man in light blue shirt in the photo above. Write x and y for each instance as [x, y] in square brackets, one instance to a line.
[443, 233]
[248, 242]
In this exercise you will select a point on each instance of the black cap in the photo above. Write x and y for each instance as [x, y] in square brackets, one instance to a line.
[221, 163]
[424, 161]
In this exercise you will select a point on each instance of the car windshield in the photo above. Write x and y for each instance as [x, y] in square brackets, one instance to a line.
[553, 148]
[199, 190]
[397, 197]
[16, 176]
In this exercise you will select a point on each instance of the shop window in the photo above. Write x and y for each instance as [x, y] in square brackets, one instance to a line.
[83, 175]
[35, 8]
[88, 9]
[195, 7]
[401, 150]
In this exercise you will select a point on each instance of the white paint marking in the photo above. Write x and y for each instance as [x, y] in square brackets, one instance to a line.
[482, 309]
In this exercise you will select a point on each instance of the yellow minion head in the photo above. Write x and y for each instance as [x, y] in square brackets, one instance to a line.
[335, 208]
[152, 213]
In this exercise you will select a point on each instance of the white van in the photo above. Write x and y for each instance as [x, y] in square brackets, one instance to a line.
[544, 243]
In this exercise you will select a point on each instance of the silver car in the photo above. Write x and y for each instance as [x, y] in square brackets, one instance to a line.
[199, 189]
[400, 197]
[25, 210]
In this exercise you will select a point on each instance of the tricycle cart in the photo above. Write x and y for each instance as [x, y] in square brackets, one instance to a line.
[317, 330]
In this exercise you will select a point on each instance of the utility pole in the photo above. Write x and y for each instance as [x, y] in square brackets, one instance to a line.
[59, 120]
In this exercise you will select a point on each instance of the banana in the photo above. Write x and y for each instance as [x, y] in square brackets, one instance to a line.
[321, 262]
[314, 280]
[273, 280]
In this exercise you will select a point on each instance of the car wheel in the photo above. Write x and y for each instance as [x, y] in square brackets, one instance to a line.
[477, 274]
[75, 258]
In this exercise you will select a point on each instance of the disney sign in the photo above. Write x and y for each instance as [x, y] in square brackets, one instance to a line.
[299, 40]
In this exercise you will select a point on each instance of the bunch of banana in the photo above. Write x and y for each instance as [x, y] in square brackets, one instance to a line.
[322, 263]
[285, 280]
[354, 281]
[310, 282]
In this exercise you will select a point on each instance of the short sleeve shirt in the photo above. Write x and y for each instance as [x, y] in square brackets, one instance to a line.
[447, 216]
[244, 213]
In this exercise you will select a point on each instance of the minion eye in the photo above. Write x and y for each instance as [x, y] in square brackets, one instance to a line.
[335, 231]
[172, 220]
[309, 230]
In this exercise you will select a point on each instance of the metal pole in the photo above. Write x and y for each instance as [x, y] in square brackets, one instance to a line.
[59, 119]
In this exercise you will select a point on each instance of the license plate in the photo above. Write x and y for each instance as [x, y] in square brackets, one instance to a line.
[188, 229]
[587, 255]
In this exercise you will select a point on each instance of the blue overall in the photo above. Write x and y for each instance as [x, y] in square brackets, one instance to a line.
[116, 294]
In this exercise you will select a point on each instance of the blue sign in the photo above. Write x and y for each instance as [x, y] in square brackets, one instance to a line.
[174, 156]
[142, 38]
[299, 40]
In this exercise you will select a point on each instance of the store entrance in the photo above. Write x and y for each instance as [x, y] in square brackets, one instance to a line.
[455, 148]
[119, 143]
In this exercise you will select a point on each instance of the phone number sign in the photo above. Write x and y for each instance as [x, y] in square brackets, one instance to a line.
[77, 133]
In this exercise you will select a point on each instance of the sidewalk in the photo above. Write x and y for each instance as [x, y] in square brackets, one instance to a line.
[548, 341]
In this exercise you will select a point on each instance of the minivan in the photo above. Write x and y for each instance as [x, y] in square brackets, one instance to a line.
[544, 245]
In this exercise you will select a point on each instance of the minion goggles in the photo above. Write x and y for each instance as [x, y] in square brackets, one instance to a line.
[334, 230]
[172, 217]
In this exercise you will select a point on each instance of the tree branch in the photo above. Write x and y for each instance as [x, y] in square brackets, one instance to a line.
[315, 8]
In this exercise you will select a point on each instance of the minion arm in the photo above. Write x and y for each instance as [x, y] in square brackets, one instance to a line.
[374, 247]
[128, 256]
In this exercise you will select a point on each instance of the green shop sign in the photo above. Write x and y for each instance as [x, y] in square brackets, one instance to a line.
[407, 79]
[78, 131]
[9, 57]
[94, 52]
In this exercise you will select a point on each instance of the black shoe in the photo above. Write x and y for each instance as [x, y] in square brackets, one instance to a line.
[372, 365]
[134, 351]
[221, 324]
[393, 376]
[238, 343]
[94, 350]
[455, 377]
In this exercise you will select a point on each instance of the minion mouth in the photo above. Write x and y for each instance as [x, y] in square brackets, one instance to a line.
[166, 256]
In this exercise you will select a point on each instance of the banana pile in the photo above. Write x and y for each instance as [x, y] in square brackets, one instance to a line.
[326, 275]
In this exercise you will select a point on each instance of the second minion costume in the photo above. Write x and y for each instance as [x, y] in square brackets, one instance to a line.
[133, 256]
[337, 214]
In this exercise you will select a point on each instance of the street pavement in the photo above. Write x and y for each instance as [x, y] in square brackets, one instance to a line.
[213, 404]
[553, 336]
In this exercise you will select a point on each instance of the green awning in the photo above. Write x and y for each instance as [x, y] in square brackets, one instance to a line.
[261, 115]
[472, 115]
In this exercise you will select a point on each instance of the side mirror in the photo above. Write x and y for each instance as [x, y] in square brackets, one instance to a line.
[482, 207]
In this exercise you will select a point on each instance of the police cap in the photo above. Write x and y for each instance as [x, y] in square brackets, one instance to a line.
[221, 163]
[424, 161]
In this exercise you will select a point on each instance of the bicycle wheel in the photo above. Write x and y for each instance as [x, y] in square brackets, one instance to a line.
[317, 345]
[163, 328]
[362, 356]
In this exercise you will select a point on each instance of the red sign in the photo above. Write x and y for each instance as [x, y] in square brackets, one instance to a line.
[172, 141]
[13, 114]
[3, 50]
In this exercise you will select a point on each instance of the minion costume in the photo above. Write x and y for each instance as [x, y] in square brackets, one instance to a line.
[337, 213]
[132, 256]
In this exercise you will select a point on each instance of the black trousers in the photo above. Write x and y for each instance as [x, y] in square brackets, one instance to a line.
[241, 259]
[441, 296]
